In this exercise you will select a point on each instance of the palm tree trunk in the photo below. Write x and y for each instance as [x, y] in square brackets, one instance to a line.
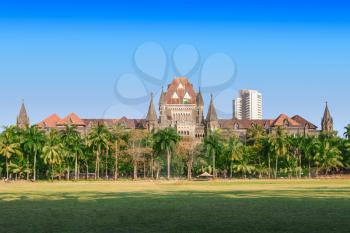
[309, 169]
[116, 162]
[231, 169]
[152, 166]
[269, 166]
[135, 170]
[34, 169]
[276, 167]
[68, 173]
[87, 171]
[168, 163]
[116, 167]
[214, 170]
[7, 170]
[27, 166]
[76, 167]
[144, 168]
[52, 172]
[106, 175]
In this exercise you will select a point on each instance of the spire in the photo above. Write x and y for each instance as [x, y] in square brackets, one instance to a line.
[162, 97]
[151, 115]
[327, 120]
[199, 100]
[22, 118]
[211, 116]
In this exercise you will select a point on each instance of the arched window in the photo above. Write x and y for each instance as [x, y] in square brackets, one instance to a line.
[236, 126]
[286, 123]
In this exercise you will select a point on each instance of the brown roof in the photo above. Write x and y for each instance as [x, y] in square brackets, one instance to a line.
[128, 123]
[284, 120]
[50, 121]
[71, 119]
[304, 122]
[243, 124]
[180, 92]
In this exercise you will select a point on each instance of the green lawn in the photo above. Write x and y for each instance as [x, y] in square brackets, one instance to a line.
[146, 206]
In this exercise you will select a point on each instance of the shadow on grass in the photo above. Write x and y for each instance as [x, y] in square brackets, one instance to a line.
[302, 210]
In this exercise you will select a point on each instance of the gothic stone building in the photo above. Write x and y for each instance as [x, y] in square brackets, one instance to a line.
[181, 107]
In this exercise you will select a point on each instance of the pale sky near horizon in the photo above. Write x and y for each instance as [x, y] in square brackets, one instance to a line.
[63, 57]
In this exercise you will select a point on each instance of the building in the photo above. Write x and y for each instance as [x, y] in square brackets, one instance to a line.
[181, 107]
[248, 106]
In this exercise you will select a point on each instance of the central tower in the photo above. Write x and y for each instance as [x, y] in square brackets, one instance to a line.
[182, 108]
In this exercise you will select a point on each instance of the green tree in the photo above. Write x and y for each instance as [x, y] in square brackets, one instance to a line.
[234, 151]
[347, 132]
[279, 146]
[328, 157]
[53, 151]
[73, 143]
[9, 147]
[34, 140]
[120, 140]
[98, 140]
[213, 143]
[165, 140]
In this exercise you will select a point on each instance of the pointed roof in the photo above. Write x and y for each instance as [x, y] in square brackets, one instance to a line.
[22, 119]
[71, 119]
[283, 119]
[177, 90]
[327, 120]
[212, 116]
[50, 122]
[304, 122]
[162, 98]
[200, 101]
[151, 115]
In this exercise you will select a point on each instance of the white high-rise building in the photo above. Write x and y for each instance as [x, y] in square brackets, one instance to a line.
[248, 106]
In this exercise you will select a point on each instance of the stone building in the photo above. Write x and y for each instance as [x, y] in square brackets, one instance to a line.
[181, 107]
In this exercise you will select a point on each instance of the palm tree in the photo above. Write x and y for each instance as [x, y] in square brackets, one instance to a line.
[347, 132]
[53, 151]
[243, 165]
[9, 147]
[279, 145]
[98, 139]
[235, 151]
[308, 147]
[73, 143]
[165, 140]
[213, 143]
[120, 139]
[34, 140]
[328, 157]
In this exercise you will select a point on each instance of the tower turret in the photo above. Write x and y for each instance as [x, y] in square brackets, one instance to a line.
[152, 120]
[22, 118]
[212, 118]
[327, 120]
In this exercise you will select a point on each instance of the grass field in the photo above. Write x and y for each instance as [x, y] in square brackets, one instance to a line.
[176, 206]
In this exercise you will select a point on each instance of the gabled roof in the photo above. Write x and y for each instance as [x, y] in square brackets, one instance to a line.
[199, 100]
[71, 119]
[304, 122]
[22, 118]
[243, 124]
[282, 119]
[212, 116]
[178, 88]
[50, 122]
[151, 115]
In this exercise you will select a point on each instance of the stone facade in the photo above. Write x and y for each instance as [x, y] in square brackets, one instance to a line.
[181, 107]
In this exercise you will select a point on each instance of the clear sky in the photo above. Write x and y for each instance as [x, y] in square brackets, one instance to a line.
[63, 57]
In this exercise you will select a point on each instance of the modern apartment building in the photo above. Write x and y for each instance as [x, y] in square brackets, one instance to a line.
[248, 106]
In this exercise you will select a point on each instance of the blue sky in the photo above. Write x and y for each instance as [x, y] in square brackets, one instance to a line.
[64, 57]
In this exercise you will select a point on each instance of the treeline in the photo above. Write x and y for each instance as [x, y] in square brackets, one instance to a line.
[104, 153]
